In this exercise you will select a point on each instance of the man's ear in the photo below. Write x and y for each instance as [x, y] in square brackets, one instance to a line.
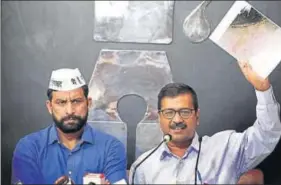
[89, 99]
[159, 114]
[198, 116]
[159, 122]
[49, 106]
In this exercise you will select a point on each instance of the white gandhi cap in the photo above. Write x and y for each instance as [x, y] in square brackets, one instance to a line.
[66, 79]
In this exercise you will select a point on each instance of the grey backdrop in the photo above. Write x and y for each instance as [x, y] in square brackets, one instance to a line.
[38, 37]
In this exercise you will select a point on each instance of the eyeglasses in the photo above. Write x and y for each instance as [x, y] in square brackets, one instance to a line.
[184, 113]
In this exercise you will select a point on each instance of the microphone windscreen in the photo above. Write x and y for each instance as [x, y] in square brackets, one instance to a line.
[167, 137]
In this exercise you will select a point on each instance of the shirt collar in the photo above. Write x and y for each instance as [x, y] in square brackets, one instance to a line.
[53, 137]
[87, 135]
[194, 146]
[195, 142]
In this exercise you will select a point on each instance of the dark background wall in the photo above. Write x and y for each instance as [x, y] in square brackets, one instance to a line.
[38, 37]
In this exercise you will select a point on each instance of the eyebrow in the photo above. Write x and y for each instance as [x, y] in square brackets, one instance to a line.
[65, 99]
[77, 99]
[60, 100]
[177, 109]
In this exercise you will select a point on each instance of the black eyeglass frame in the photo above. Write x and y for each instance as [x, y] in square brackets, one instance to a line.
[179, 111]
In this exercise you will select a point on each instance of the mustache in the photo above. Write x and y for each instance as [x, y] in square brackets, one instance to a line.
[180, 125]
[73, 117]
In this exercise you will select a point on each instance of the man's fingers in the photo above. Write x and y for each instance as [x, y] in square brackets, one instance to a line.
[107, 182]
[243, 66]
[60, 180]
[253, 77]
[249, 66]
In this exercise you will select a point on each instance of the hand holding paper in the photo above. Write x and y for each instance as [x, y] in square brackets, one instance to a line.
[258, 82]
[247, 34]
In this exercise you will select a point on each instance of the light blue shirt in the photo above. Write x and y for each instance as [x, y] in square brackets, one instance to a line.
[224, 157]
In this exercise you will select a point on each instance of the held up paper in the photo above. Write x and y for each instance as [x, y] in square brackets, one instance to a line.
[248, 35]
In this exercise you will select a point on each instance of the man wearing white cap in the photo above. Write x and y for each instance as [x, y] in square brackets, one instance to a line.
[69, 147]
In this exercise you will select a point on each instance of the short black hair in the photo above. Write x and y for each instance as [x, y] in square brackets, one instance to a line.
[175, 89]
[84, 87]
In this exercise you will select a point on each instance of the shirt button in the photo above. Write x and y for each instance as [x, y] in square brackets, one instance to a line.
[69, 172]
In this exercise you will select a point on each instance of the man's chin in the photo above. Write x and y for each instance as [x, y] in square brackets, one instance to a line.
[69, 130]
[177, 138]
[71, 127]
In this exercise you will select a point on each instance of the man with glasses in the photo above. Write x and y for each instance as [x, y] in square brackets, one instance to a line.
[219, 159]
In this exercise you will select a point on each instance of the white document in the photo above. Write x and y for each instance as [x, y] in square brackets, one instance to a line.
[248, 35]
[122, 181]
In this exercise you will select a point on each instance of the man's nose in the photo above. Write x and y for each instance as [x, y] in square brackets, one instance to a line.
[69, 108]
[177, 118]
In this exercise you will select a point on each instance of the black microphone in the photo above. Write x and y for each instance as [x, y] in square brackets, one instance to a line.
[166, 139]
[196, 166]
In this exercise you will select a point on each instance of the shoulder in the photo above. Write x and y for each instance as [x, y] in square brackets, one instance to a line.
[219, 135]
[221, 140]
[33, 141]
[101, 136]
[150, 160]
[226, 133]
[106, 140]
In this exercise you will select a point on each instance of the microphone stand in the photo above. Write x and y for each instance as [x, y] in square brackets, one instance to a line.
[196, 166]
[134, 171]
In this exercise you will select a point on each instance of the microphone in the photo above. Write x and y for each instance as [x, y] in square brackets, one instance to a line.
[196, 165]
[166, 138]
